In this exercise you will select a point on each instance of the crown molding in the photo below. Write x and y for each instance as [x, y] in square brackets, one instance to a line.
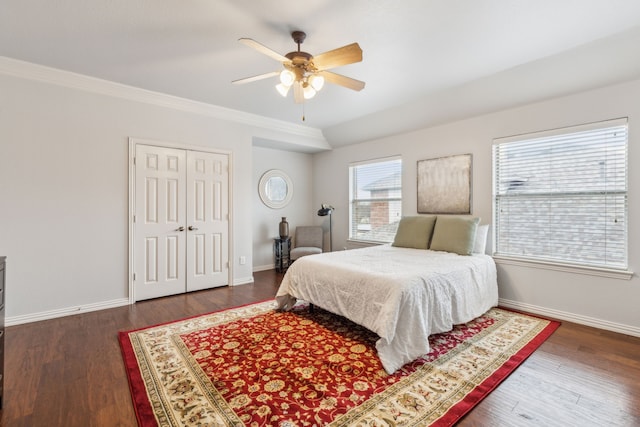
[30, 71]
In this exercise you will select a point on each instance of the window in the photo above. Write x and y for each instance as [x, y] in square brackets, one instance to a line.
[561, 196]
[375, 199]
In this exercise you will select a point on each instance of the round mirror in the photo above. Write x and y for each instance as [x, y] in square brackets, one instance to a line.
[275, 188]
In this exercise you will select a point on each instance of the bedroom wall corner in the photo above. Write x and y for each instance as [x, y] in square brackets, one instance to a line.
[608, 300]
[299, 211]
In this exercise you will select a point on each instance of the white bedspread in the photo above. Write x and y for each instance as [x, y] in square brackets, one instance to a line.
[403, 295]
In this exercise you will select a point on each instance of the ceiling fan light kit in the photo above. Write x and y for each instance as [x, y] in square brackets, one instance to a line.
[316, 81]
[287, 77]
[306, 73]
[283, 89]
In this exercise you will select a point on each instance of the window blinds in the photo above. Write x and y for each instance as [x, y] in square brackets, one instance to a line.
[562, 196]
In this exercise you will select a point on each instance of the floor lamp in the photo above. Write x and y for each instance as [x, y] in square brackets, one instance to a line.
[324, 211]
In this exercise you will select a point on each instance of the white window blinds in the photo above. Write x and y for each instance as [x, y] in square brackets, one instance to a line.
[562, 196]
[375, 199]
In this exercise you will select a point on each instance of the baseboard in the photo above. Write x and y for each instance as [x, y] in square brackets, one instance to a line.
[572, 317]
[264, 267]
[242, 281]
[69, 311]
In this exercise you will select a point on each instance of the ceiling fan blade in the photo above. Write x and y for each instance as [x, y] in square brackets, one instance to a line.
[255, 78]
[264, 50]
[298, 94]
[341, 56]
[341, 80]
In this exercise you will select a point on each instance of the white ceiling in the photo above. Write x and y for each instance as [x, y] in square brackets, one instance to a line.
[425, 61]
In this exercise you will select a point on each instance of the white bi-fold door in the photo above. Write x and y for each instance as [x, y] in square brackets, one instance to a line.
[207, 220]
[181, 221]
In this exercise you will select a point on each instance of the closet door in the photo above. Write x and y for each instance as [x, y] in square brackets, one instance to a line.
[207, 220]
[160, 217]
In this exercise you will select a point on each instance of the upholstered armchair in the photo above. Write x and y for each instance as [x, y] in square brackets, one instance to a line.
[308, 240]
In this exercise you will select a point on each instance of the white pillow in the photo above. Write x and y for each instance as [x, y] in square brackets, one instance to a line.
[480, 244]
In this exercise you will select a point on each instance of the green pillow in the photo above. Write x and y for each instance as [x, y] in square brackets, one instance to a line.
[414, 232]
[454, 234]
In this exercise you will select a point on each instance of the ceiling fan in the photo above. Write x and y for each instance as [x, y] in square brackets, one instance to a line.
[307, 73]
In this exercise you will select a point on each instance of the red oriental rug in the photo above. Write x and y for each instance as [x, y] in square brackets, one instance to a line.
[254, 366]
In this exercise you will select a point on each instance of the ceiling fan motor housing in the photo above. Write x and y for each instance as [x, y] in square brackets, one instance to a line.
[302, 62]
[299, 58]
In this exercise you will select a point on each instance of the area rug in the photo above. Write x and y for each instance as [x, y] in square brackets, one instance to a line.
[255, 366]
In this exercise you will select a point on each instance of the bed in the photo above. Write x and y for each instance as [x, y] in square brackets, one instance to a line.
[403, 294]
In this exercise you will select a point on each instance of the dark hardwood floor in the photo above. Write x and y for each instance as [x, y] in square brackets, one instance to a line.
[69, 371]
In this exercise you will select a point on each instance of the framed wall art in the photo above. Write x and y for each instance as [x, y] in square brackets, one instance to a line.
[444, 185]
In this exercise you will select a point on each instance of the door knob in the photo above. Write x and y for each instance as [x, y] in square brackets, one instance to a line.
[181, 228]
[192, 228]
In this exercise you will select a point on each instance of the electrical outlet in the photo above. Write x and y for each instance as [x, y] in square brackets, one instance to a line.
[243, 260]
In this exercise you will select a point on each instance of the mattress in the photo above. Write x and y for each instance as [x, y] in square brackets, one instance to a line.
[403, 295]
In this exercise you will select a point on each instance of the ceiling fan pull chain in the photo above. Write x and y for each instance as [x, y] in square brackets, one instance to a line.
[303, 112]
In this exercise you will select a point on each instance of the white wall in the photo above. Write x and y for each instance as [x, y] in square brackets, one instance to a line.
[604, 302]
[64, 185]
[64, 192]
[298, 212]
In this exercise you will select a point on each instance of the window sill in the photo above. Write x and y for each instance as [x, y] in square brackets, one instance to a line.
[591, 271]
[354, 244]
